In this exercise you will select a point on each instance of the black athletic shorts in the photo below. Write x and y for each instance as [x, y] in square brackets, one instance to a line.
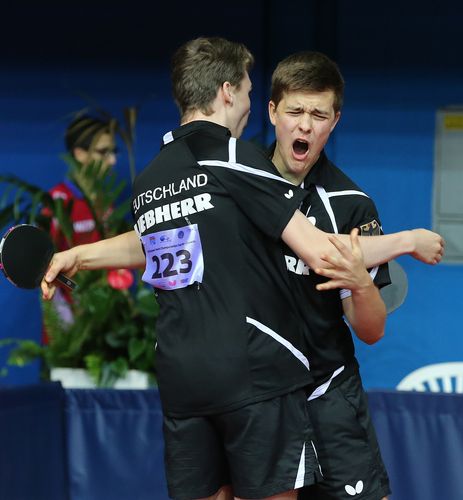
[261, 449]
[347, 447]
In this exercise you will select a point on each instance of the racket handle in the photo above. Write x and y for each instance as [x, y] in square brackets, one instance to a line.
[65, 281]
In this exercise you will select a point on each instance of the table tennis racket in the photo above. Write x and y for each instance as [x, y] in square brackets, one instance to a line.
[25, 254]
[394, 294]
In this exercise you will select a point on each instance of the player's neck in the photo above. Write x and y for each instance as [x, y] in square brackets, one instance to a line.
[294, 177]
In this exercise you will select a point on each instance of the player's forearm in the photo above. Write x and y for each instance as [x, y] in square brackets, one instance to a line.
[309, 243]
[380, 249]
[122, 251]
[366, 313]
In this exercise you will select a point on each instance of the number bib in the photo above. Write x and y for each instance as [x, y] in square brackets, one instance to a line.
[174, 258]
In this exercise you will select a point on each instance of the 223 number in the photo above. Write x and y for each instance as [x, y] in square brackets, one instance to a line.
[169, 260]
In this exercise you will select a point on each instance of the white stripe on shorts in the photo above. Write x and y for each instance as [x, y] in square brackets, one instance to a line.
[300, 477]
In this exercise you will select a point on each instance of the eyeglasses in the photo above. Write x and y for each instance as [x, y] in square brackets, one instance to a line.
[105, 152]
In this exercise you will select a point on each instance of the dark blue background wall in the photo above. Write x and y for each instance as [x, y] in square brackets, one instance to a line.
[401, 61]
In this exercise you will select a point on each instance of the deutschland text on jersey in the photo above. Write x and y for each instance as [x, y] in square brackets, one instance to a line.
[210, 210]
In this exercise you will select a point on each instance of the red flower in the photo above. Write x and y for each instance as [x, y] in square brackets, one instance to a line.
[120, 279]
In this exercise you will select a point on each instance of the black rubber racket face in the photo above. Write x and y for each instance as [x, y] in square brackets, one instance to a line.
[25, 253]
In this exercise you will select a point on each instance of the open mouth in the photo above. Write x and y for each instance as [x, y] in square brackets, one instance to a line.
[300, 147]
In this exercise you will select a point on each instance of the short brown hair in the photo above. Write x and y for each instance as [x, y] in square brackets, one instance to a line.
[201, 66]
[307, 71]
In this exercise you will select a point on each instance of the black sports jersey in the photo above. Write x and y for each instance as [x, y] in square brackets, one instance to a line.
[232, 336]
[335, 205]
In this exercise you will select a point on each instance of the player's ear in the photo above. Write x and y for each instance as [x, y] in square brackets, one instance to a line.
[337, 116]
[271, 112]
[227, 92]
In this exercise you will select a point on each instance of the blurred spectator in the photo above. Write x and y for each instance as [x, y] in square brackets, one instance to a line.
[88, 141]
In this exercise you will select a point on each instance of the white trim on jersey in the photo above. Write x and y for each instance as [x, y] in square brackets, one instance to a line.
[347, 192]
[232, 150]
[300, 476]
[279, 338]
[168, 137]
[324, 196]
[243, 168]
[321, 389]
[233, 165]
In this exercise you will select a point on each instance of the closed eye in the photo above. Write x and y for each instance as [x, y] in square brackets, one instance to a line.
[320, 117]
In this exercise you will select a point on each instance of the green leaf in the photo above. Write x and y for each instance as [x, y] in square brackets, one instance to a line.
[136, 348]
[93, 364]
[115, 340]
[6, 216]
[62, 213]
[5, 196]
[112, 371]
[36, 200]
[18, 200]
[20, 183]
[146, 302]
[120, 366]
[26, 352]
[8, 341]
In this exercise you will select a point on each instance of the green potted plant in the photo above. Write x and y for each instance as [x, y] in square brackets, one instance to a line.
[108, 329]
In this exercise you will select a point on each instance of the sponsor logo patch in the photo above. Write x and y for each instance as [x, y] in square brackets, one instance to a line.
[370, 229]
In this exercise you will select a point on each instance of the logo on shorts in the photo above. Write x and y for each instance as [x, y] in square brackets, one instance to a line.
[370, 229]
[350, 490]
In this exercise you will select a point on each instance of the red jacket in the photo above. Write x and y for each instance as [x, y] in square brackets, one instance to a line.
[84, 227]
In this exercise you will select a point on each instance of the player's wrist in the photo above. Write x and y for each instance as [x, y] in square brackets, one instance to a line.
[407, 242]
[364, 286]
[81, 256]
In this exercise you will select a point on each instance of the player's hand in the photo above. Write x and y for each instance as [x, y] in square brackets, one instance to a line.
[346, 268]
[428, 246]
[62, 262]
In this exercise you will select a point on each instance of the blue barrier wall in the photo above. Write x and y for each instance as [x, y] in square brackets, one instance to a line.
[33, 443]
[107, 444]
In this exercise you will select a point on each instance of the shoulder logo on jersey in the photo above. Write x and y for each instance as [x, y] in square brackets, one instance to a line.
[289, 194]
[370, 229]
